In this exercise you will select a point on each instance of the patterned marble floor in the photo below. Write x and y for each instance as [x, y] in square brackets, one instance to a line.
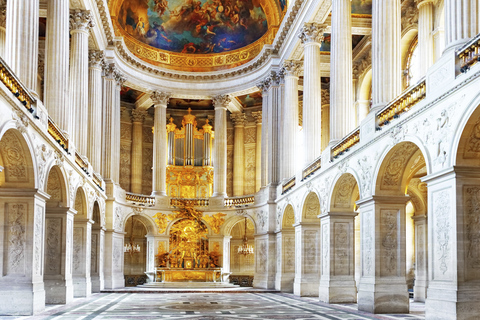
[208, 306]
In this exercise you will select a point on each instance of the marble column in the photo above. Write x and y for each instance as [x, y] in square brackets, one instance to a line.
[159, 184]
[265, 246]
[82, 251]
[311, 36]
[238, 120]
[325, 118]
[285, 271]
[342, 114]
[290, 118]
[111, 124]
[307, 259]
[3, 30]
[425, 37]
[21, 54]
[114, 260]
[95, 93]
[386, 53]
[461, 22]
[257, 115]
[57, 63]
[337, 276]
[264, 86]
[383, 287]
[421, 258]
[138, 116]
[58, 256]
[96, 259]
[220, 145]
[274, 107]
[80, 23]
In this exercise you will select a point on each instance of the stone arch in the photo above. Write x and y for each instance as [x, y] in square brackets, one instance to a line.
[232, 221]
[345, 193]
[397, 168]
[16, 160]
[466, 146]
[311, 208]
[80, 204]
[56, 187]
[96, 214]
[288, 219]
[146, 220]
[408, 44]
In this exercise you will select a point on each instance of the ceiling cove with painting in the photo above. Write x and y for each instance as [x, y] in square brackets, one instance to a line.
[196, 35]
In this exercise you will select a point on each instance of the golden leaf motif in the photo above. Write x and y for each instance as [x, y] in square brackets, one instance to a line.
[215, 221]
[161, 221]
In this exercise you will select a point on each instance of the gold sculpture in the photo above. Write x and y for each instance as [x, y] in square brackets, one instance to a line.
[215, 221]
[161, 221]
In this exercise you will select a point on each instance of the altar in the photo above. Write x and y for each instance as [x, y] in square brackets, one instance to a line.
[183, 275]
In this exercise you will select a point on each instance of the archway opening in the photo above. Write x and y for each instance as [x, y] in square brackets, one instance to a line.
[135, 255]
[242, 266]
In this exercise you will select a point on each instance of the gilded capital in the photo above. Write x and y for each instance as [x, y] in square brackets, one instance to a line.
[312, 33]
[257, 115]
[221, 101]
[138, 115]
[160, 98]
[81, 20]
[292, 68]
[238, 119]
[96, 58]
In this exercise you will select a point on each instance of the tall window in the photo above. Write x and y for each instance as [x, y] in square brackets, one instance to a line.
[413, 64]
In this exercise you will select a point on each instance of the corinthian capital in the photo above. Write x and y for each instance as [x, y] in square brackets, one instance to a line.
[81, 20]
[138, 115]
[120, 78]
[238, 119]
[292, 68]
[221, 101]
[3, 14]
[312, 33]
[257, 115]
[160, 98]
[96, 58]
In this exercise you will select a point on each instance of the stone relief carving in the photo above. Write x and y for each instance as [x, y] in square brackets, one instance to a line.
[473, 144]
[396, 165]
[77, 249]
[441, 138]
[262, 257]
[21, 121]
[14, 160]
[279, 218]
[360, 66]
[441, 210]
[43, 155]
[37, 242]
[72, 183]
[69, 246]
[54, 186]
[325, 249]
[53, 245]
[117, 255]
[289, 252]
[249, 180]
[126, 131]
[341, 245]
[312, 207]
[343, 196]
[310, 252]
[397, 134]
[288, 218]
[125, 165]
[368, 242]
[118, 219]
[472, 224]
[93, 254]
[324, 192]
[389, 241]
[16, 237]
[262, 220]
[250, 135]
[409, 14]
[366, 170]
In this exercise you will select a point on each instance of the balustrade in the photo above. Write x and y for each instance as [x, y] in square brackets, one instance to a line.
[239, 201]
[312, 168]
[10, 80]
[469, 54]
[140, 199]
[288, 185]
[57, 134]
[346, 143]
[182, 202]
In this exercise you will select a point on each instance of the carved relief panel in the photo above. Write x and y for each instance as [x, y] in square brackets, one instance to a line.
[310, 258]
[471, 195]
[342, 254]
[288, 247]
[16, 224]
[389, 237]
[442, 237]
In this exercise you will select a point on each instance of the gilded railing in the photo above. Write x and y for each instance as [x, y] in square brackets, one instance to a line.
[10, 80]
[288, 185]
[469, 54]
[182, 202]
[239, 201]
[346, 143]
[97, 180]
[140, 199]
[57, 134]
[81, 163]
[311, 168]
[403, 103]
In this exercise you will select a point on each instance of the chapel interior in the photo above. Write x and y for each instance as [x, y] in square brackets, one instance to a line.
[322, 148]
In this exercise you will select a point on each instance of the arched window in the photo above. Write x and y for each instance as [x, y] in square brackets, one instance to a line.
[413, 64]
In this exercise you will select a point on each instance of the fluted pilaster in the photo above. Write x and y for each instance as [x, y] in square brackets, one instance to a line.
[342, 113]
[160, 101]
[425, 37]
[290, 117]
[386, 53]
[311, 36]
[21, 54]
[80, 23]
[264, 86]
[138, 116]
[95, 91]
[238, 120]
[461, 21]
[56, 63]
[220, 155]
[257, 115]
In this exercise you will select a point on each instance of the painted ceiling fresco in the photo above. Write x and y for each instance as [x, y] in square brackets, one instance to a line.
[251, 99]
[194, 26]
[362, 7]
[129, 95]
[327, 41]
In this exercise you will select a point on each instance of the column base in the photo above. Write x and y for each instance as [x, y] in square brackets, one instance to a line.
[82, 287]
[97, 284]
[264, 281]
[284, 282]
[449, 303]
[337, 291]
[390, 296]
[305, 287]
[114, 281]
[58, 291]
[420, 290]
[159, 194]
[21, 299]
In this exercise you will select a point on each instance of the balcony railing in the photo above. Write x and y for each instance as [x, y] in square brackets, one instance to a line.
[311, 168]
[10, 80]
[469, 54]
[239, 201]
[403, 103]
[81, 162]
[140, 199]
[288, 185]
[97, 179]
[57, 134]
[182, 202]
[346, 143]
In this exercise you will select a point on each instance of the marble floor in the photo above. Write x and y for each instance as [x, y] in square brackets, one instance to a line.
[209, 306]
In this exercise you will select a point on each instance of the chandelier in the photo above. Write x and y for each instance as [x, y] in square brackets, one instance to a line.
[131, 247]
[245, 248]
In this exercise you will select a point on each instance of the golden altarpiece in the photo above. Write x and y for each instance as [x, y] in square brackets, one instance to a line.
[189, 166]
